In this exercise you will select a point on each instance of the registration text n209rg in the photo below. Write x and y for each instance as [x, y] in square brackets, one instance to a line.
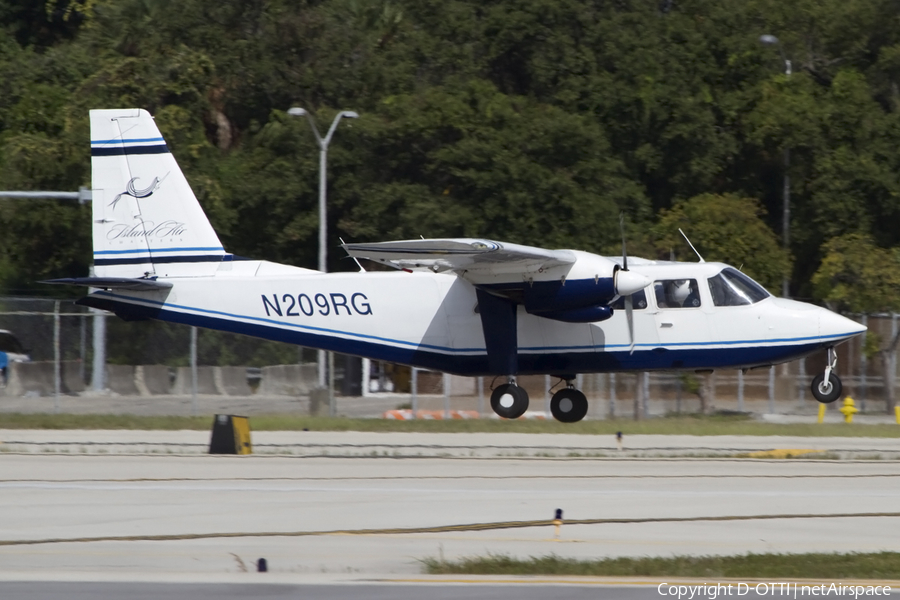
[324, 304]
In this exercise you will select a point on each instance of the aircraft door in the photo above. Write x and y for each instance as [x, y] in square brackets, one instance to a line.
[682, 318]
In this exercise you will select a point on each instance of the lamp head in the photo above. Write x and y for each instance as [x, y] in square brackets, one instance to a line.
[349, 114]
[768, 40]
[296, 111]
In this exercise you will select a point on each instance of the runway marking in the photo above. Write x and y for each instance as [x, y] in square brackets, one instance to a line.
[368, 447]
[374, 488]
[437, 529]
[588, 580]
[688, 455]
[449, 478]
[524, 580]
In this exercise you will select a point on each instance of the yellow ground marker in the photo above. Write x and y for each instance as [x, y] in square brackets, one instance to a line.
[782, 453]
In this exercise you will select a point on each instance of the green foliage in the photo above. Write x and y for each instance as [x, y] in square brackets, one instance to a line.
[875, 565]
[723, 228]
[858, 276]
[690, 383]
[476, 162]
[872, 344]
[535, 122]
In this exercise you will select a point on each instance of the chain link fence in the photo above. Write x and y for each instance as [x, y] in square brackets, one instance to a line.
[149, 358]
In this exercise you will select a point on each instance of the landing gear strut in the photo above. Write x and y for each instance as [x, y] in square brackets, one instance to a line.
[827, 387]
[568, 405]
[509, 400]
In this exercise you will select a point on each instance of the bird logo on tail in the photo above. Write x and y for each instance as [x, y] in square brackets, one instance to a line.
[135, 193]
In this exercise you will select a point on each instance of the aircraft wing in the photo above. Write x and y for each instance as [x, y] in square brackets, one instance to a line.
[461, 254]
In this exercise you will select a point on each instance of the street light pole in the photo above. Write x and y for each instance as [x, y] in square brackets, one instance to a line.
[323, 191]
[771, 40]
[786, 216]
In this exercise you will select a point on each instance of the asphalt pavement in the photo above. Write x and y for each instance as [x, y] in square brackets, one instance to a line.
[141, 514]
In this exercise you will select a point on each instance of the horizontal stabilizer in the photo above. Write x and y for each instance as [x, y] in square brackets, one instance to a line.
[114, 283]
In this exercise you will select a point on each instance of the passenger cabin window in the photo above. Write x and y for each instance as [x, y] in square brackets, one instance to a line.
[677, 293]
[638, 301]
[733, 288]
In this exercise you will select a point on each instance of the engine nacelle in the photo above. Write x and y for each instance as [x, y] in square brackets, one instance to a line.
[573, 293]
[590, 314]
[559, 296]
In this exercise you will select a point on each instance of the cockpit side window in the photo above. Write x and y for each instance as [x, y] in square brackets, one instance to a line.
[638, 301]
[733, 288]
[677, 293]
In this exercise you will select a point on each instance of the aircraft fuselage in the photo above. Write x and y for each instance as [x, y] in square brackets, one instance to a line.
[430, 320]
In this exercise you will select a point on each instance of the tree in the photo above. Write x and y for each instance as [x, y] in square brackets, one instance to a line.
[723, 228]
[858, 276]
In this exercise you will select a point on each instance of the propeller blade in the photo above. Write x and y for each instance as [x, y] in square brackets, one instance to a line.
[622, 230]
[629, 316]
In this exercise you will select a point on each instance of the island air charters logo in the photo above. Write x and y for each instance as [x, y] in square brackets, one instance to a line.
[131, 190]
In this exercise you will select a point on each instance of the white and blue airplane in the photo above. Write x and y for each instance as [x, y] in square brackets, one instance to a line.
[464, 306]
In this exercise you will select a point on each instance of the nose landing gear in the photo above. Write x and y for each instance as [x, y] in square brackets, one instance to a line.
[827, 387]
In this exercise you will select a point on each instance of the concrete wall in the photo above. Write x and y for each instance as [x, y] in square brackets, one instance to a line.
[37, 378]
[287, 380]
[120, 380]
[206, 381]
[232, 381]
[152, 380]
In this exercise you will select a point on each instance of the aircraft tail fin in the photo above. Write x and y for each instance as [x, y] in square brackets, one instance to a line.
[146, 220]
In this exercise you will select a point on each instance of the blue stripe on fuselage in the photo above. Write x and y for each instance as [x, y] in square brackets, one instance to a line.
[474, 361]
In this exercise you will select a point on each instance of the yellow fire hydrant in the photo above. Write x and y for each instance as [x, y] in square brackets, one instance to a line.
[849, 409]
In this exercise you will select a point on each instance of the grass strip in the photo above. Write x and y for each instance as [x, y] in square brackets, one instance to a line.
[680, 425]
[877, 565]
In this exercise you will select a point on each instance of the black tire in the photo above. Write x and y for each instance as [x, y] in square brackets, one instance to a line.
[568, 406]
[826, 393]
[509, 401]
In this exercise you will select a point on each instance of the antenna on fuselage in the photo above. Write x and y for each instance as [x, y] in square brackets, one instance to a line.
[691, 245]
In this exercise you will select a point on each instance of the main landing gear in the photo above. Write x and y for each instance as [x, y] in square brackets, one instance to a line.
[568, 405]
[510, 401]
[827, 387]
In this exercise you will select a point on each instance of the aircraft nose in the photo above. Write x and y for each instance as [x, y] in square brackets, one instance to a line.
[833, 325]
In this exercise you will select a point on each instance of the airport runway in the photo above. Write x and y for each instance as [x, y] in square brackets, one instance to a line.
[433, 591]
[182, 519]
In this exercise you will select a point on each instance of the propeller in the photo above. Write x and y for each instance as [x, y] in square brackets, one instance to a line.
[628, 282]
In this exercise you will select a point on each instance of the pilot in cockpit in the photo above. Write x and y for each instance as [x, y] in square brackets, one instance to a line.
[677, 293]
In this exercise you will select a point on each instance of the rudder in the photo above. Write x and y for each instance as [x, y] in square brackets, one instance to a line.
[146, 219]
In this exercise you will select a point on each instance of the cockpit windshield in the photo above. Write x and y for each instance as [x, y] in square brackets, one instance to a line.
[733, 288]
